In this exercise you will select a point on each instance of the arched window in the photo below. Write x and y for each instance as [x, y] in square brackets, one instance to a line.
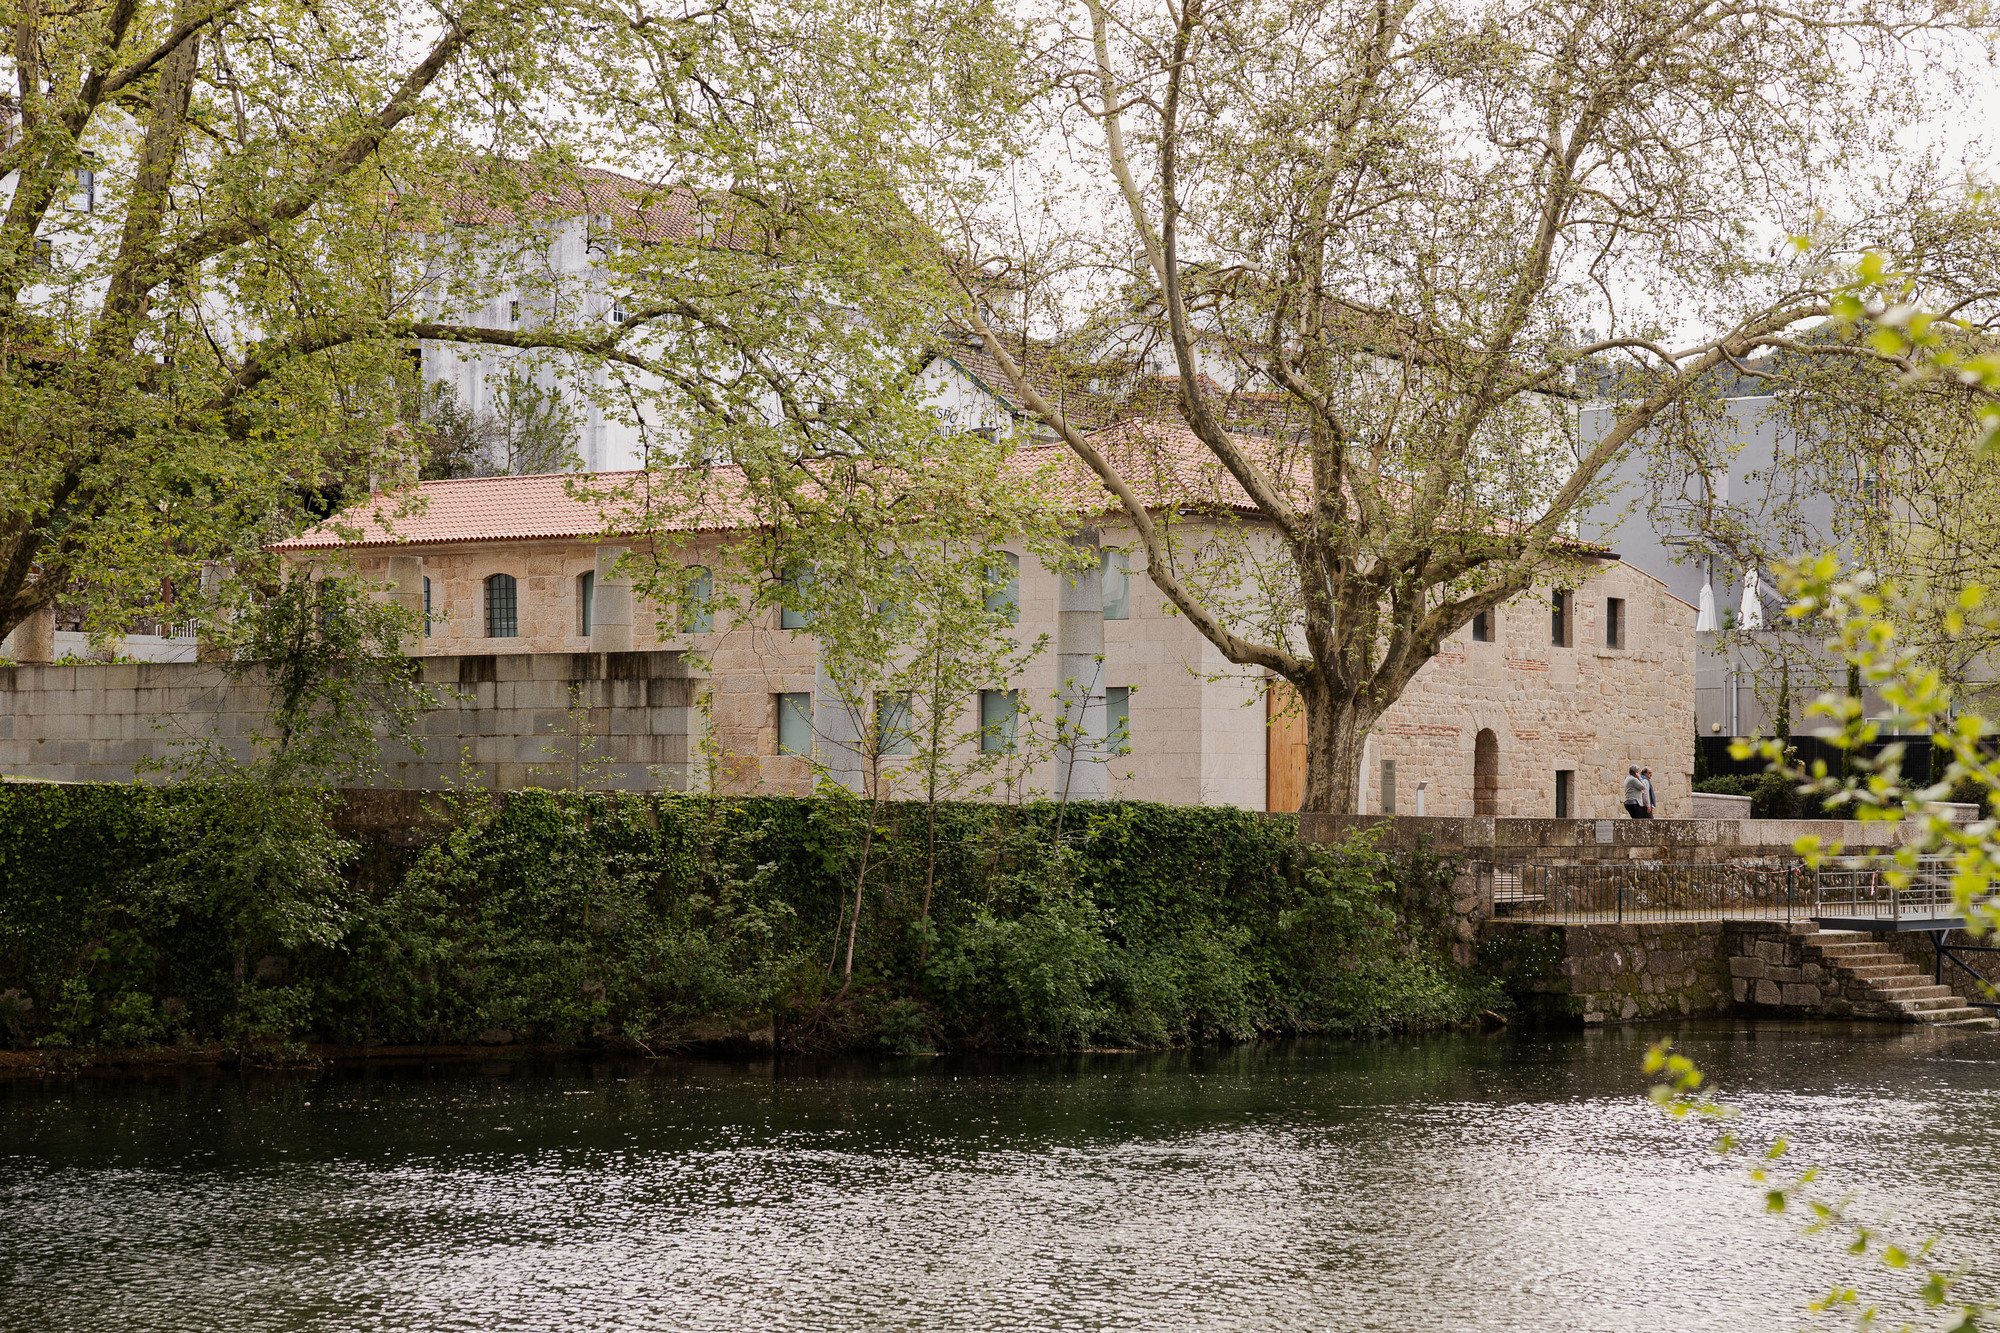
[586, 601]
[698, 608]
[502, 617]
[1003, 587]
[1486, 773]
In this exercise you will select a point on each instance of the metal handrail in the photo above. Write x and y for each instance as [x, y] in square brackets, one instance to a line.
[1861, 890]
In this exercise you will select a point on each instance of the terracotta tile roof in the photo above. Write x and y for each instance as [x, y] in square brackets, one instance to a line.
[629, 207]
[513, 509]
[1166, 464]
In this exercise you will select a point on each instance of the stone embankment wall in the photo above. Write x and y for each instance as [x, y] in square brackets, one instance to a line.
[507, 720]
[1678, 969]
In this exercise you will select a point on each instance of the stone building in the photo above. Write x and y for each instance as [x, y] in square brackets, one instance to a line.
[1532, 711]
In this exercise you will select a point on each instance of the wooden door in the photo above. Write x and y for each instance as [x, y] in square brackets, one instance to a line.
[1284, 748]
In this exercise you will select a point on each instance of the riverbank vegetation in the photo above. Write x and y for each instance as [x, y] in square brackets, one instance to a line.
[608, 920]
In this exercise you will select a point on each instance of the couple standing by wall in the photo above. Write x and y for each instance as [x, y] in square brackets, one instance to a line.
[1640, 801]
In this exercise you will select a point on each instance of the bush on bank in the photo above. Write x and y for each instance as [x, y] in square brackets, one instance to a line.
[588, 918]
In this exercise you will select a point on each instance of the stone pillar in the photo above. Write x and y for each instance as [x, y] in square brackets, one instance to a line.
[837, 721]
[1082, 768]
[611, 605]
[34, 639]
[406, 576]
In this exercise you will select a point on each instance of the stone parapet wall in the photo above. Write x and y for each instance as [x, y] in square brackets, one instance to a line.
[507, 720]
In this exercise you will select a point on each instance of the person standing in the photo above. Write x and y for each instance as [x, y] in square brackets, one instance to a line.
[1652, 797]
[1635, 793]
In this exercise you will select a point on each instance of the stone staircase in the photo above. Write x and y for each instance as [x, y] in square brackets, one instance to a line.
[1876, 981]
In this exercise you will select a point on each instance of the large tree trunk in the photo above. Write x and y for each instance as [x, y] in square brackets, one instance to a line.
[1337, 724]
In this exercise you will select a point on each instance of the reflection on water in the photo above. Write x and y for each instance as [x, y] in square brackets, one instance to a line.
[1456, 1183]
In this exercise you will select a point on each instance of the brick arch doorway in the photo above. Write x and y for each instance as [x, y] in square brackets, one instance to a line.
[1486, 773]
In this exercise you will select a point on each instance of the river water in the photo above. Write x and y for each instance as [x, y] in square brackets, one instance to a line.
[1496, 1182]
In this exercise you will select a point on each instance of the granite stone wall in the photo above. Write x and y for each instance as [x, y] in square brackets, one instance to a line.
[507, 720]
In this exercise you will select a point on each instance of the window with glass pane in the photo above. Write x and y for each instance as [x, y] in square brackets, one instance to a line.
[698, 611]
[1614, 622]
[1117, 571]
[997, 711]
[502, 620]
[1482, 627]
[1003, 588]
[795, 724]
[427, 607]
[798, 581]
[586, 599]
[893, 722]
[1118, 718]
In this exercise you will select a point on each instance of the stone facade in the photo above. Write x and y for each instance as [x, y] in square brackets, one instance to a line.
[509, 720]
[1587, 707]
[1199, 732]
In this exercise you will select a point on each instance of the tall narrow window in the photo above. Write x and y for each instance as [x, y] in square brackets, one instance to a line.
[1388, 786]
[698, 611]
[1482, 627]
[1614, 622]
[86, 190]
[893, 721]
[514, 311]
[1564, 778]
[1117, 575]
[427, 606]
[586, 601]
[997, 712]
[795, 724]
[797, 582]
[1561, 613]
[1118, 719]
[502, 620]
[1003, 587]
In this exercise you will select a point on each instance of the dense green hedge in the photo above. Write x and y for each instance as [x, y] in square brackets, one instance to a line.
[591, 918]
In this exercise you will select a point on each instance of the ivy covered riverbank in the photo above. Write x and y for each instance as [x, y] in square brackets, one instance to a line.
[649, 923]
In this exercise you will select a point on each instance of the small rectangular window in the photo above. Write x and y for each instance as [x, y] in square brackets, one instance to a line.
[1560, 615]
[795, 724]
[86, 190]
[1564, 778]
[1614, 622]
[1482, 627]
[1118, 719]
[586, 596]
[1117, 575]
[514, 311]
[1388, 786]
[997, 712]
[893, 721]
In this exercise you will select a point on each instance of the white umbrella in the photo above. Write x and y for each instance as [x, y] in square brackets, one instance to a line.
[1751, 614]
[1706, 620]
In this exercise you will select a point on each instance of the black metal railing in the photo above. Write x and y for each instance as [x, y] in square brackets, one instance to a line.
[1611, 893]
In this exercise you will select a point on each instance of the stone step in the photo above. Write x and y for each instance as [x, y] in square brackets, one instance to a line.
[1849, 949]
[1874, 971]
[1915, 1004]
[1951, 1018]
[1855, 954]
